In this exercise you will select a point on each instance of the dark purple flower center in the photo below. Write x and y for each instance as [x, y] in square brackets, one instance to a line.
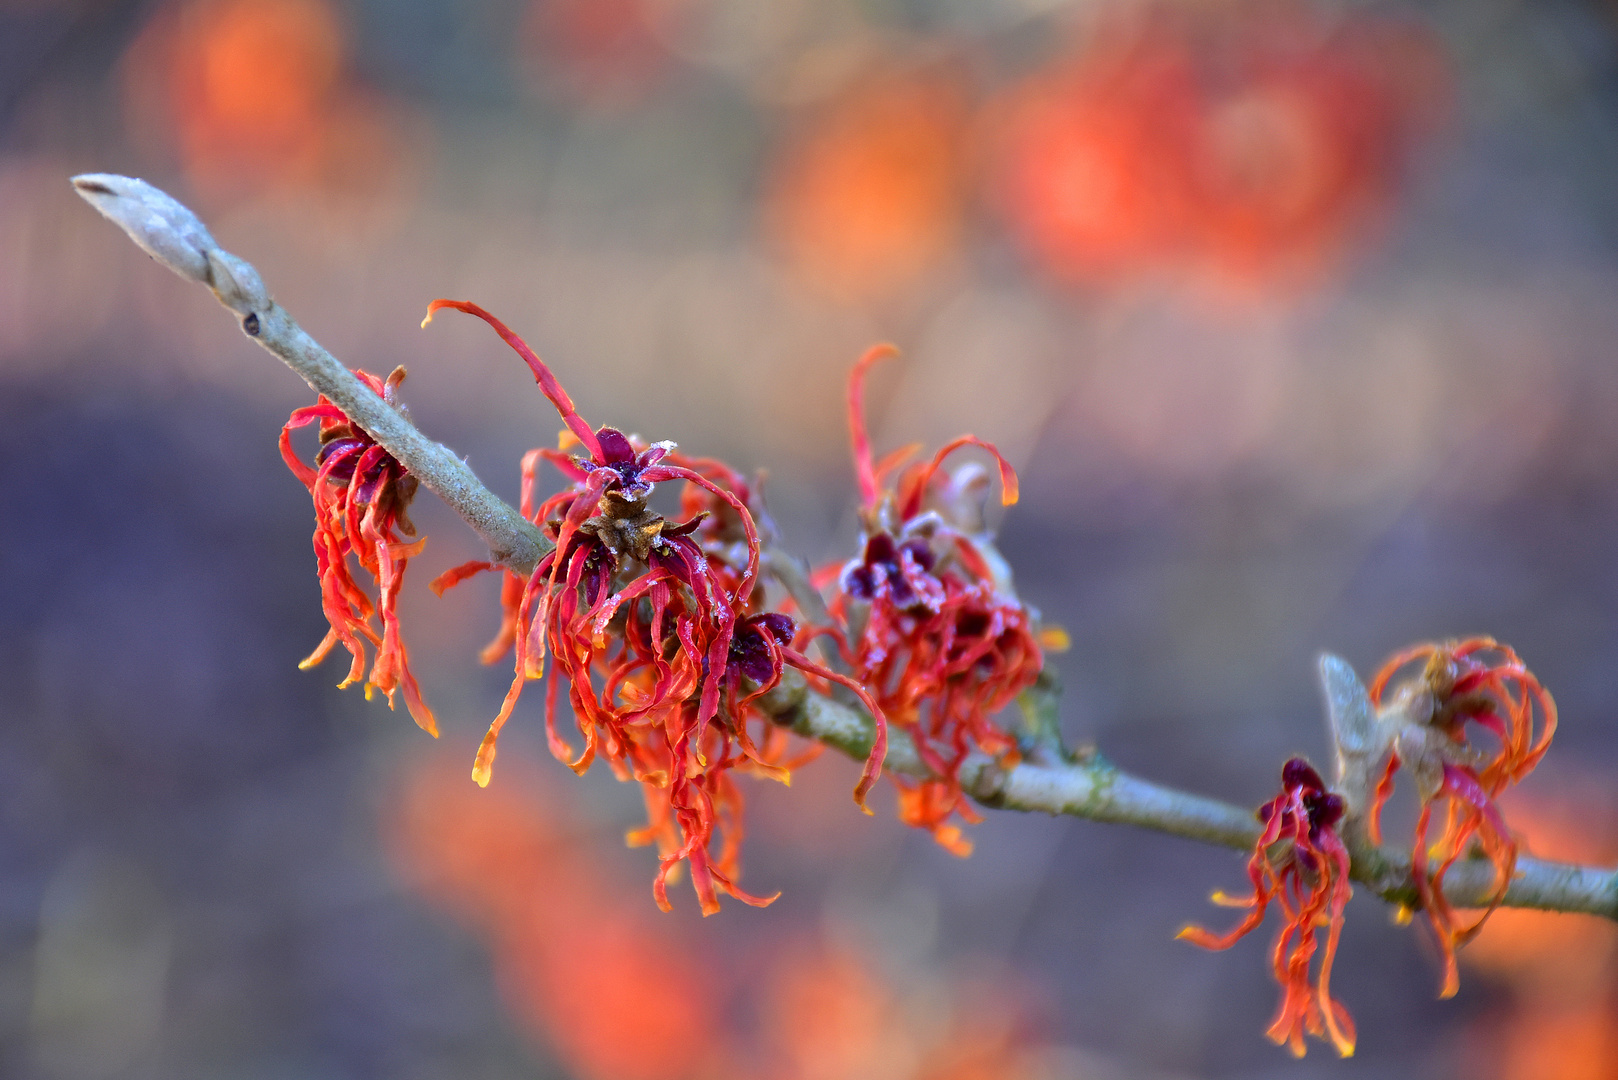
[899, 573]
[619, 456]
[1323, 809]
[348, 451]
[750, 651]
[1298, 773]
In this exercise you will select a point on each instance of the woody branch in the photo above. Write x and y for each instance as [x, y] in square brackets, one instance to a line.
[1049, 780]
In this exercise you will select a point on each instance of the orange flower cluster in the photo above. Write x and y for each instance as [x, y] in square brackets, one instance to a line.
[660, 636]
[361, 494]
[1300, 862]
[927, 621]
[1485, 683]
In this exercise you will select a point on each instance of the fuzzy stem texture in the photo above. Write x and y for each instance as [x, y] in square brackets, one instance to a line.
[1083, 785]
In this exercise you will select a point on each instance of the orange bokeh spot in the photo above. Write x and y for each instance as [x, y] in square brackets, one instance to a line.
[1086, 156]
[1580, 1044]
[984, 1043]
[1249, 145]
[617, 993]
[1272, 174]
[613, 993]
[829, 1016]
[616, 998]
[252, 95]
[488, 856]
[264, 67]
[867, 195]
[1305, 151]
[598, 52]
[1545, 953]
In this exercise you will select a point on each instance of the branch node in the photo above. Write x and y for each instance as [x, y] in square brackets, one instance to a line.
[989, 786]
[236, 282]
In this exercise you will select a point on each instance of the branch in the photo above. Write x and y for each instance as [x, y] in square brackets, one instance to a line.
[170, 233]
[1093, 788]
[1053, 782]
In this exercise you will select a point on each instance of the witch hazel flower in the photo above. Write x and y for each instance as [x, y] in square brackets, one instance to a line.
[1301, 864]
[362, 496]
[926, 616]
[1425, 730]
[657, 628]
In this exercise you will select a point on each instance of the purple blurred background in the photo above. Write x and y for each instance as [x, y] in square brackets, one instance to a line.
[1297, 320]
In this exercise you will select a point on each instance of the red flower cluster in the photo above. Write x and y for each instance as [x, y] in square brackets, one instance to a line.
[1485, 683]
[361, 496]
[927, 620]
[1301, 862]
[658, 629]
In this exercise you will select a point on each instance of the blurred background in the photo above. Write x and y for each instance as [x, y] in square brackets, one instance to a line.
[1296, 317]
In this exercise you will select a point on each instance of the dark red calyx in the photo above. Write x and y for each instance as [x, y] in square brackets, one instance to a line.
[618, 454]
[750, 654]
[898, 573]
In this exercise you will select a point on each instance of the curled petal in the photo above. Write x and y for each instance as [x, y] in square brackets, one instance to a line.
[870, 489]
[457, 574]
[548, 382]
[879, 745]
[914, 489]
